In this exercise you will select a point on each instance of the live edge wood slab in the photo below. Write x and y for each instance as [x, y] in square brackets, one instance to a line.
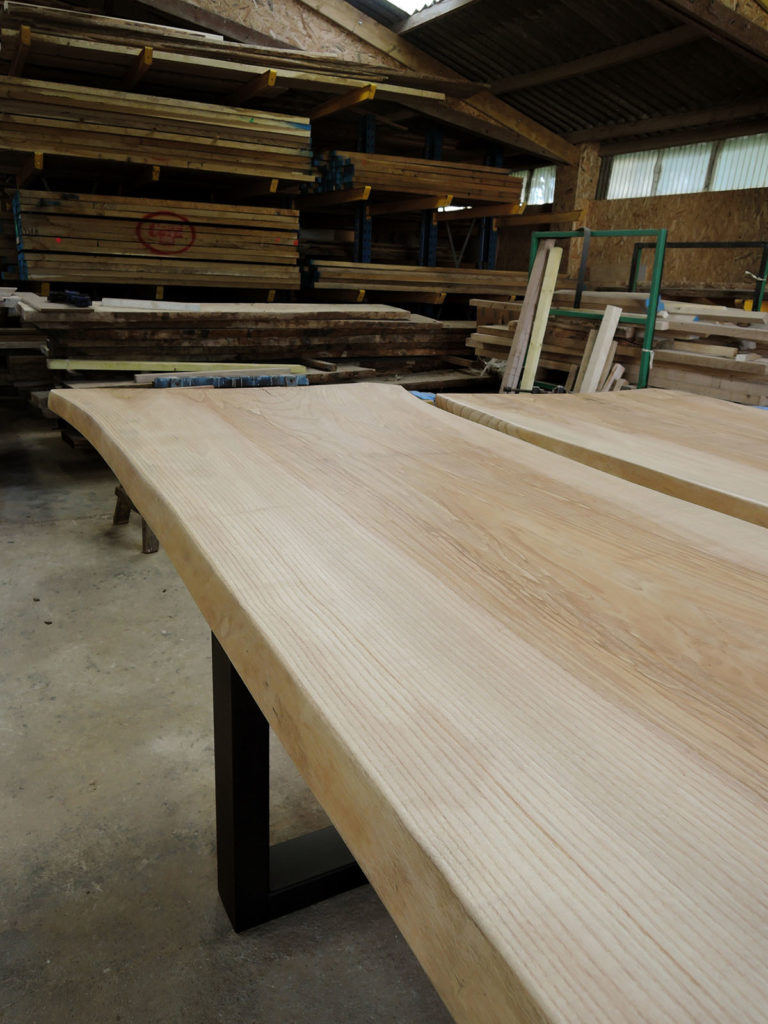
[704, 450]
[530, 695]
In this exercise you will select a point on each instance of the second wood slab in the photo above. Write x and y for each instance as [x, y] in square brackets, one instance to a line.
[703, 450]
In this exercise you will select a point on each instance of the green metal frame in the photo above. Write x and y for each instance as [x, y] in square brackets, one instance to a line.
[660, 237]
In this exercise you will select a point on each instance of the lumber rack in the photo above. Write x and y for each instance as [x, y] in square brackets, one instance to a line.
[760, 283]
[649, 321]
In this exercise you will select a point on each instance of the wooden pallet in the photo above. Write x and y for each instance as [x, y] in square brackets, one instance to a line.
[67, 237]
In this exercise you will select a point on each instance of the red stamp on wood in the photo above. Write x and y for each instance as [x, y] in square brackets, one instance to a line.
[165, 233]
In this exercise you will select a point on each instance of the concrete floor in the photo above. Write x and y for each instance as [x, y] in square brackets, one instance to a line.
[107, 859]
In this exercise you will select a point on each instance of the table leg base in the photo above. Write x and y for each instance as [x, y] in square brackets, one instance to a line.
[258, 882]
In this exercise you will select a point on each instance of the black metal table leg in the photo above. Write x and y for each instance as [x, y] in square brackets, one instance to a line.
[258, 882]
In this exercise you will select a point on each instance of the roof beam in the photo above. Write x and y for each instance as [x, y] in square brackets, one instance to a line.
[496, 119]
[672, 122]
[743, 23]
[424, 17]
[600, 61]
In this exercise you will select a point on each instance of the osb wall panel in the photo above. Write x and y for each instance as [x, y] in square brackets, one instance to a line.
[706, 216]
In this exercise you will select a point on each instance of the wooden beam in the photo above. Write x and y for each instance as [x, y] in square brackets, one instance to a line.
[321, 199]
[599, 61]
[429, 14]
[475, 212]
[23, 47]
[141, 66]
[568, 217]
[31, 166]
[670, 122]
[729, 130]
[413, 203]
[740, 22]
[350, 99]
[253, 87]
[497, 119]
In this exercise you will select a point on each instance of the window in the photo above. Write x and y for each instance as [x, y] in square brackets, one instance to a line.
[538, 186]
[701, 167]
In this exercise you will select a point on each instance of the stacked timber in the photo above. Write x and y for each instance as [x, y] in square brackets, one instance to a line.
[67, 41]
[716, 351]
[66, 237]
[387, 277]
[384, 338]
[102, 124]
[457, 182]
[710, 350]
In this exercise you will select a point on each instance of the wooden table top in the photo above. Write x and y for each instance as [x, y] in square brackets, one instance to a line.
[531, 696]
[700, 449]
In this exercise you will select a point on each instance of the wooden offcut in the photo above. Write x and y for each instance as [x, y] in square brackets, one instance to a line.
[530, 695]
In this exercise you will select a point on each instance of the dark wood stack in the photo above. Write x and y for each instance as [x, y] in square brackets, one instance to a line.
[381, 336]
[385, 277]
[67, 237]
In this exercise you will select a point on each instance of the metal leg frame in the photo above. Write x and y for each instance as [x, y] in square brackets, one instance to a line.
[258, 882]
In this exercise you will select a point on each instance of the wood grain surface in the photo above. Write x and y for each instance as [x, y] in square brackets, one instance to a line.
[703, 450]
[530, 695]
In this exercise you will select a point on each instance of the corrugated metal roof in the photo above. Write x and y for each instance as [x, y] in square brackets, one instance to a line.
[493, 40]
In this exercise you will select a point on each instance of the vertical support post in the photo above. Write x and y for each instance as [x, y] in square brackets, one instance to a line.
[653, 308]
[258, 882]
[433, 150]
[489, 234]
[366, 143]
[757, 302]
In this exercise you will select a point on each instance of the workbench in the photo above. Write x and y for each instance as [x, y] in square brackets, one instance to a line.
[531, 696]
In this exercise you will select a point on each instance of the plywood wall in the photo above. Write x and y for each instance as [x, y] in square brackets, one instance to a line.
[717, 216]
[707, 216]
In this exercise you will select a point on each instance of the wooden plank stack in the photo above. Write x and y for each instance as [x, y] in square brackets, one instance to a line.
[387, 277]
[716, 351]
[105, 46]
[66, 237]
[104, 124]
[383, 337]
[464, 182]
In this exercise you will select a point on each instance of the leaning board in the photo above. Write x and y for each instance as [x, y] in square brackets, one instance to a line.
[530, 695]
[703, 450]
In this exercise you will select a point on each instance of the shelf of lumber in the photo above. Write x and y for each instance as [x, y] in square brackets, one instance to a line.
[205, 58]
[711, 453]
[464, 182]
[118, 65]
[530, 695]
[333, 274]
[77, 121]
[68, 237]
